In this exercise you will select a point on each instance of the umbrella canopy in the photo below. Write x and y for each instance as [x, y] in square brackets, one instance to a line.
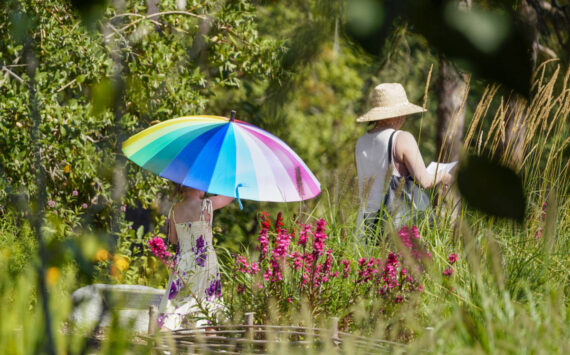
[225, 157]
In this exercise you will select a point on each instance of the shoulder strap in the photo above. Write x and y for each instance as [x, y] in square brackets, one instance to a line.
[171, 214]
[206, 207]
[390, 144]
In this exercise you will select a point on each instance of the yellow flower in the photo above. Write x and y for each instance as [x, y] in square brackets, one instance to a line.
[67, 169]
[121, 262]
[101, 255]
[52, 274]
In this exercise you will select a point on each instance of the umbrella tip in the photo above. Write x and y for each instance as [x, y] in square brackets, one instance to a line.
[233, 115]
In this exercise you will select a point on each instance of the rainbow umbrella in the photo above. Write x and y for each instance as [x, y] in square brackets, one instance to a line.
[225, 157]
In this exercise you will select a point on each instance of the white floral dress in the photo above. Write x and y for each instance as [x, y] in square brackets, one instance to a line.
[193, 294]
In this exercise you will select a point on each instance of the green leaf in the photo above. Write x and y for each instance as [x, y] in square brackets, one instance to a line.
[492, 188]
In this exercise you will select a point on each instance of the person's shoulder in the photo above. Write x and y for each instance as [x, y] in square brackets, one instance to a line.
[405, 136]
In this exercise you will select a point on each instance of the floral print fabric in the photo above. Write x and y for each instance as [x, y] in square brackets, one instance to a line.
[194, 290]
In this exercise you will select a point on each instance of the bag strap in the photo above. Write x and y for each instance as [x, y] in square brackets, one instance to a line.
[390, 147]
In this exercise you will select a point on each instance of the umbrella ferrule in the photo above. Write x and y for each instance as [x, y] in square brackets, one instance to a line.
[233, 115]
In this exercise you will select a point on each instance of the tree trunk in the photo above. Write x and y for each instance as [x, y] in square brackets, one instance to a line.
[450, 115]
[515, 129]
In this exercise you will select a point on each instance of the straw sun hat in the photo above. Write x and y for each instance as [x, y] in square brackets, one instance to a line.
[389, 100]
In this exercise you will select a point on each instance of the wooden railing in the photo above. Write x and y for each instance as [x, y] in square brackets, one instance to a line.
[261, 338]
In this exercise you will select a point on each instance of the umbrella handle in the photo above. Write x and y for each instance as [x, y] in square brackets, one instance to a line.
[237, 196]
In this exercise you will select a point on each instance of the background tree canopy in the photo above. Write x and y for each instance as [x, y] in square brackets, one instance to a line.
[102, 73]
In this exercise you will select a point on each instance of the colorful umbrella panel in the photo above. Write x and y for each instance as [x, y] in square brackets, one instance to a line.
[225, 157]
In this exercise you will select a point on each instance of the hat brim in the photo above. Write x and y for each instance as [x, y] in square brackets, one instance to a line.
[384, 113]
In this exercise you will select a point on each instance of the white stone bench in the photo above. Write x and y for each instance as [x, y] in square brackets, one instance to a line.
[132, 303]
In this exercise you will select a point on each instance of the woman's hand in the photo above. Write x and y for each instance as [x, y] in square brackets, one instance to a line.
[408, 152]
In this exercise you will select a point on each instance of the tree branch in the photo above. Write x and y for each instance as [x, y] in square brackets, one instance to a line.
[4, 68]
[549, 52]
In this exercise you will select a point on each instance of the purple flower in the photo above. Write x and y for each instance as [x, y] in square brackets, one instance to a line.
[215, 288]
[75, 193]
[51, 203]
[84, 205]
[160, 320]
[123, 208]
[201, 259]
[200, 251]
[174, 288]
[200, 243]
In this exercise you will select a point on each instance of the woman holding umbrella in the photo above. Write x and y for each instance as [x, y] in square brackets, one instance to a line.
[221, 156]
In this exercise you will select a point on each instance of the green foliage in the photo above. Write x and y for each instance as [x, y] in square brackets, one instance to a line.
[165, 74]
[17, 241]
[282, 67]
[310, 267]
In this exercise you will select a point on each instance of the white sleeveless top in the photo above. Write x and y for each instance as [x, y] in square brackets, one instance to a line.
[373, 168]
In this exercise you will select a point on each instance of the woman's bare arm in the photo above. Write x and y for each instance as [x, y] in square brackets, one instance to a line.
[406, 150]
[220, 201]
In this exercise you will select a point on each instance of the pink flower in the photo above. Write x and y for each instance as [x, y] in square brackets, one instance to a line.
[51, 203]
[84, 205]
[263, 243]
[158, 248]
[254, 268]
[265, 221]
[279, 222]
[123, 208]
[448, 272]
[240, 289]
[319, 238]
[75, 193]
[346, 270]
[241, 263]
[538, 233]
[281, 244]
[452, 258]
[304, 234]
[297, 260]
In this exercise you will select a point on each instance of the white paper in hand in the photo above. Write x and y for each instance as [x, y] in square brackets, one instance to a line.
[441, 167]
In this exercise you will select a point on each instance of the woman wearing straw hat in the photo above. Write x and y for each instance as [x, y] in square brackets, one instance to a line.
[384, 154]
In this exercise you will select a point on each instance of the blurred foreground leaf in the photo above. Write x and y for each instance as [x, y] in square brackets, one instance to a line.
[90, 11]
[492, 188]
[494, 43]
[103, 94]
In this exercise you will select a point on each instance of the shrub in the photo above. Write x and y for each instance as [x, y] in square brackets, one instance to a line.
[298, 267]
